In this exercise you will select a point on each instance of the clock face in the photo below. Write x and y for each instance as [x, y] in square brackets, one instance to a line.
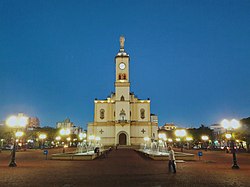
[122, 66]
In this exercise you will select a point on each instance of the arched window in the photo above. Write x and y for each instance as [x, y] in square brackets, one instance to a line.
[142, 113]
[102, 111]
[120, 76]
[124, 76]
[122, 98]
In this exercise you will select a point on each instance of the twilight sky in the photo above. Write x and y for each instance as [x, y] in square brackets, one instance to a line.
[191, 58]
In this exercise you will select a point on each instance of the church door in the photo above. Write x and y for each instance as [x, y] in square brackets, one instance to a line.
[122, 139]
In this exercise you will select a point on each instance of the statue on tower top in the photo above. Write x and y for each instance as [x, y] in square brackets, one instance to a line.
[122, 40]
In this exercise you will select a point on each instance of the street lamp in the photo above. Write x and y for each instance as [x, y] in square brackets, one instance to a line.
[68, 140]
[2, 143]
[42, 137]
[19, 121]
[64, 132]
[18, 134]
[205, 138]
[189, 139]
[228, 136]
[231, 126]
[181, 133]
[82, 135]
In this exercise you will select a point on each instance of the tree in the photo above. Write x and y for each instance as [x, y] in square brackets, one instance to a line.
[196, 133]
[243, 132]
[6, 133]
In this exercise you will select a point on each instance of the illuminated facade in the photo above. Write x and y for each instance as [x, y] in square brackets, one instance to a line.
[122, 118]
[67, 124]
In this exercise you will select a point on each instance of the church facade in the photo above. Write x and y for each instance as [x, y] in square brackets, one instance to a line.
[122, 118]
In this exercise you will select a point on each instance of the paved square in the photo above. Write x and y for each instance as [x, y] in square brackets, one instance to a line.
[122, 167]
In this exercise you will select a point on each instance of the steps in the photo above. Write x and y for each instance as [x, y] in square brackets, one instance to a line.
[127, 147]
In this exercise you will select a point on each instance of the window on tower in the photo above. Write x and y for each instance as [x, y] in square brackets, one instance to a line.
[122, 76]
[102, 111]
[142, 113]
[122, 98]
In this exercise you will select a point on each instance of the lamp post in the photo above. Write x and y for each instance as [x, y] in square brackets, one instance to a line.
[230, 126]
[189, 139]
[58, 138]
[64, 132]
[170, 140]
[19, 121]
[42, 137]
[82, 135]
[205, 139]
[181, 133]
[2, 143]
[228, 137]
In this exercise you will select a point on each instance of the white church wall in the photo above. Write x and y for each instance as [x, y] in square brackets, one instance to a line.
[98, 107]
[137, 131]
[146, 106]
[105, 131]
[122, 91]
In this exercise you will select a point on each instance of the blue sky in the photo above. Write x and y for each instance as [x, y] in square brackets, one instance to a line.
[191, 58]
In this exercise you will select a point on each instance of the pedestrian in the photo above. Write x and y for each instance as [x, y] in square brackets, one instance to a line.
[171, 161]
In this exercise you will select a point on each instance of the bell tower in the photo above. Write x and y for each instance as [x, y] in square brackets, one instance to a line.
[122, 84]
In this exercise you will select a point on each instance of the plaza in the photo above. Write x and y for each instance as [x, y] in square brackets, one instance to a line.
[122, 167]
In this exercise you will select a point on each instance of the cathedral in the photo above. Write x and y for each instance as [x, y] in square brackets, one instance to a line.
[122, 118]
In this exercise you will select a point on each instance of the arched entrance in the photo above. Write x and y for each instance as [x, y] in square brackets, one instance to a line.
[122, 139]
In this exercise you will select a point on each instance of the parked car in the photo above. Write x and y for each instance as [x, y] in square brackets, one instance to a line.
[8, 147]
[196, 147]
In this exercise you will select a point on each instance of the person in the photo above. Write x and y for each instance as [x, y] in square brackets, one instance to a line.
[171, 161]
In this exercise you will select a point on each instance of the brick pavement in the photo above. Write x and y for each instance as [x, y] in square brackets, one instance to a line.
[123, 167]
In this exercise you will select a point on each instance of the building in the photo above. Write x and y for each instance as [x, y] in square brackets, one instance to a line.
[217, 128]
[168, 126]
[67, 124]
[123, 118]
[33, 122]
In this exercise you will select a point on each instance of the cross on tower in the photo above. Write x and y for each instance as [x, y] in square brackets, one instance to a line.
[143, 131]
[101, 131]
